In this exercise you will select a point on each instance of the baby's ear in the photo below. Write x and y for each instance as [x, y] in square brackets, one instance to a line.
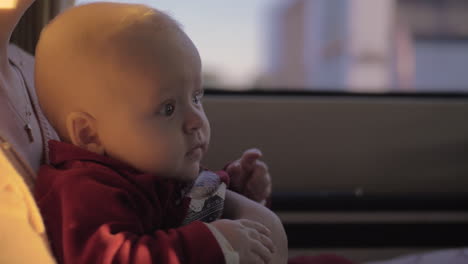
[82, 131]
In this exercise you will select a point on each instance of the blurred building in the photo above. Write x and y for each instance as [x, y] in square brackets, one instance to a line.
[368, 45]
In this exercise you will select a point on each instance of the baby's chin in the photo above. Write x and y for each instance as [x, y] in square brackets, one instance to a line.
[187, 175]
[190, 175]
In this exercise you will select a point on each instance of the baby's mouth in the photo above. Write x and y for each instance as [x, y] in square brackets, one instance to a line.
[196, 152]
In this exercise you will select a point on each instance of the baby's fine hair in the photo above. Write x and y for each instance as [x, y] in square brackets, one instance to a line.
[142, 15]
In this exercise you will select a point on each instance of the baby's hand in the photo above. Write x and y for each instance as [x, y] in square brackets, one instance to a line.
[250, 177]
[250, 239]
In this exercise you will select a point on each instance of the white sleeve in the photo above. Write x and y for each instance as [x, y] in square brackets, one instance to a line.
[230, 255]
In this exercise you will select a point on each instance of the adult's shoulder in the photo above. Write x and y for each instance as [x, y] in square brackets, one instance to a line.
[20, 219]
[22, 58]
[25, 62]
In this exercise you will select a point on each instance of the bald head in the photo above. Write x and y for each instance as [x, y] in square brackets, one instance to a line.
[84, 49]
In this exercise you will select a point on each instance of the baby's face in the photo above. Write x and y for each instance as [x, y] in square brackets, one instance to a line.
[156, 121]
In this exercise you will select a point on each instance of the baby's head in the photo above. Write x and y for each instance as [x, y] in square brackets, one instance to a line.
[124, 81]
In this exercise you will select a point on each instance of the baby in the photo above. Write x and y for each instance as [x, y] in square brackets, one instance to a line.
[122, 86]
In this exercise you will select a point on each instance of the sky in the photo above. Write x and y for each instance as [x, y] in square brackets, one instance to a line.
[230, 35]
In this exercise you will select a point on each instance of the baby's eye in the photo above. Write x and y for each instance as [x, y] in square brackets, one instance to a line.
[167, 109]
[197, 98]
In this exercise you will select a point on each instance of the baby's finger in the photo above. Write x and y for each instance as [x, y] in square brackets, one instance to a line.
[260, 173]
[257, 226]
[267, 242]
[263, 252]
[234, 168]
[238, 181]
[249, 157]
[261, 166]
[259, 185]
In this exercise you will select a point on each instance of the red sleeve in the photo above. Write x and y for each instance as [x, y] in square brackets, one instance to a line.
[98, 220]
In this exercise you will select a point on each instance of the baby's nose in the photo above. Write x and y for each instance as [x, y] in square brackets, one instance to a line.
[193, 121]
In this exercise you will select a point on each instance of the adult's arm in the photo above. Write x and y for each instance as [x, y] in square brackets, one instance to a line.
[239, 207]
[22, 231]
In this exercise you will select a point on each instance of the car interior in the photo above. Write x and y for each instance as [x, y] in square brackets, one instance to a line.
[363, 122]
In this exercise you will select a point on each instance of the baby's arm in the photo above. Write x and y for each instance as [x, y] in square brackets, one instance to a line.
[239, 207]
[243, 240]
[104, 219]
[249, 239]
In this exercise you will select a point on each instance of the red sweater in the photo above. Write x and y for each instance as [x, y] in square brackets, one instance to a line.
[99, 210]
